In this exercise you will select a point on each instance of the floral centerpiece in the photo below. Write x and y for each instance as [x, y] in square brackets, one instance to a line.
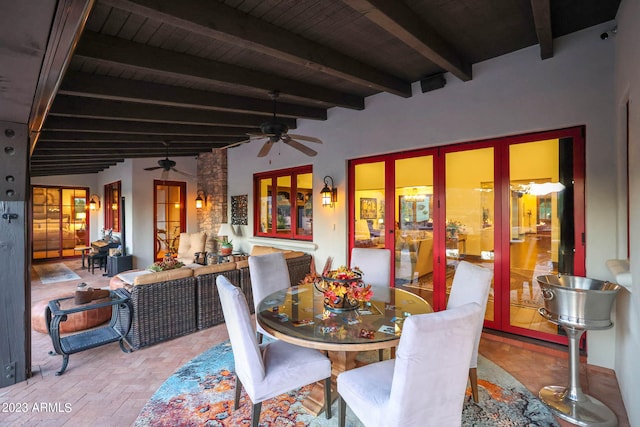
[167, 263]
[343, 289]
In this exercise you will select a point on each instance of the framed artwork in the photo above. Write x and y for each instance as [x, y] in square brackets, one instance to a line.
[368, 208]
[239, 207]
[415, 212]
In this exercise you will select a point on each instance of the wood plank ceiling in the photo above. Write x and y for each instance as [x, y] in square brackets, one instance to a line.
[197, 73]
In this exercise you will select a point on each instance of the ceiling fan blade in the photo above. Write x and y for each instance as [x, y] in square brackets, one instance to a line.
[182, 173]
[295, 144]
[306, 138]
[265, 148]
[153, 168]
[235, 144]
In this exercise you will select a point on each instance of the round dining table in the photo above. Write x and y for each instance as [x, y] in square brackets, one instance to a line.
[297, 315]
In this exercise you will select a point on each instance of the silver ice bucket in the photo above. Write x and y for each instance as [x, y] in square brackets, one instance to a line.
[577, 302]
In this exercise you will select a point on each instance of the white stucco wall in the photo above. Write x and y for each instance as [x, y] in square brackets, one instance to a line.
[627, 89]
[513, 94]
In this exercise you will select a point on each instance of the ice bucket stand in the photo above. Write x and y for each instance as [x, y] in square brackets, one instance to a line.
[570, 403]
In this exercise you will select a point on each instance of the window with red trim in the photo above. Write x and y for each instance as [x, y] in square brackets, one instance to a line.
[112, 206]
[283, 204]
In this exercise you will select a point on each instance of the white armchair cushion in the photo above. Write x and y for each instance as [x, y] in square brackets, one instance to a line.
[190, 243]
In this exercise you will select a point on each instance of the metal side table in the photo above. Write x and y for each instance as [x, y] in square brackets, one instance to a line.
[116, 330]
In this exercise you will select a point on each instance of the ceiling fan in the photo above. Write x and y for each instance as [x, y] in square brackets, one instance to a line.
[275, 131]
[167, 164]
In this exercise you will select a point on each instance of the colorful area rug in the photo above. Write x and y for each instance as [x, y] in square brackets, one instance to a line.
[52, 273]
[201, 394]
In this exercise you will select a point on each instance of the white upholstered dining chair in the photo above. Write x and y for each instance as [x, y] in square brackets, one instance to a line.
[267, 370]
[269, 273]
[374, 263]
[471, 283]
[425, 384]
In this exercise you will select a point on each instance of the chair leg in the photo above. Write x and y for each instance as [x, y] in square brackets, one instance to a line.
[236, 402]
[255, 414]
[473, 379]
[327, 397]
[342, 411]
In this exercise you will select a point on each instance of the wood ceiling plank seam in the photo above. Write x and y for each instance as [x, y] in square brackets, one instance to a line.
[146, 31]
[114, 22]
[159, 36]
[176, 40]
[131, 27]
[97, 17]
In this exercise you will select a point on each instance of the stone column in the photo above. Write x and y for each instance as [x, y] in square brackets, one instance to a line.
[212, 180]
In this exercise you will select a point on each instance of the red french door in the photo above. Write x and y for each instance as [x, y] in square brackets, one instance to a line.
[514, 204]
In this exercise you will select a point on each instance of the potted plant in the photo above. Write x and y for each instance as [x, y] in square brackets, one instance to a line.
[225, 247]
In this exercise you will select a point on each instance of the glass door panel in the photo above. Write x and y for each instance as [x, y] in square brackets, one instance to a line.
[369, 198]
[283, 205]
[59, 221]
[414, 213]
[469, 216]
[170, 216]
[536, 197]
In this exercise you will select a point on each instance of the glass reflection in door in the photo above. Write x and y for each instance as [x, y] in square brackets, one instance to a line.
[369, 198]
[536, 196]
[170, 216]
[469, 224]
[413, 244]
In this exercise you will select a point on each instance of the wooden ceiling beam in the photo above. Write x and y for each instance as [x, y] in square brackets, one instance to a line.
[40, 162]
[542, 17]
[161, 62]
[79, 124]
[105, 153]
[147, 147]
[73, 106]
[221, 22]
[61, 136]
[103, 87]
[400, 21]
[74, 158]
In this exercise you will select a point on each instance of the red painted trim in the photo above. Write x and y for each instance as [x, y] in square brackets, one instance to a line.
[292, 173]
[501, 214]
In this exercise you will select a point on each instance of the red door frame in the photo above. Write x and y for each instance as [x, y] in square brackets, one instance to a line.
[501, 209]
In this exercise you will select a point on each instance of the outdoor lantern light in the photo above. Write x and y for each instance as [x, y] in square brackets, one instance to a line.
[329, 192]
[94, 202]
[200, 201]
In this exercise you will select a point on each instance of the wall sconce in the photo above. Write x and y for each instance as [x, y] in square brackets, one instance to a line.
[201, 200]
[94, 202]
[329, 192]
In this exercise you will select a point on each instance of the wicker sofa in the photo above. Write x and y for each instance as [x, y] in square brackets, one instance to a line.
[172, 303]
